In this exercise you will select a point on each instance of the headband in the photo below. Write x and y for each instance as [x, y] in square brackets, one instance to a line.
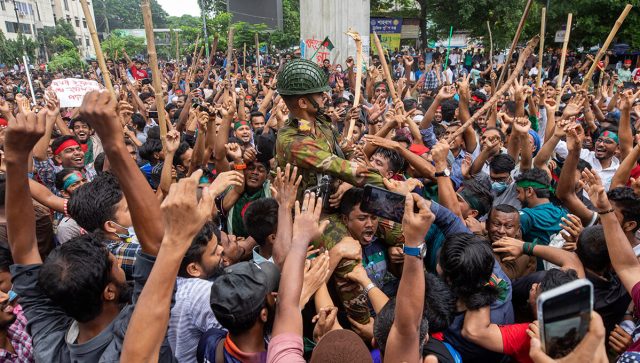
[239, 124]
[477, 99]
[71, 179]
[64, 145]
[533, 184]
[611, 135]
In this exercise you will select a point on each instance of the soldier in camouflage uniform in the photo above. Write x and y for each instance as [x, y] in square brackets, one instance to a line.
[309, 142]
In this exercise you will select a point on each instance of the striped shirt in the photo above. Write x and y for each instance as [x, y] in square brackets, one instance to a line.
[191, 317]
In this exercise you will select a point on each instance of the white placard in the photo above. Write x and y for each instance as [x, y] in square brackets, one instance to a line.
[560, 36]
[71, 91]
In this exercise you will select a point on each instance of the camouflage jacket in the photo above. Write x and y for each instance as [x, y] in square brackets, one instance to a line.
[318, 155]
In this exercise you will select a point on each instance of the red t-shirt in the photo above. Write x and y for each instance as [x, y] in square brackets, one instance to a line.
[516, 342]
[635, 295]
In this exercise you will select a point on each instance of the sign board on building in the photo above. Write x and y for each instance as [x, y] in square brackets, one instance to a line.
[389, 31]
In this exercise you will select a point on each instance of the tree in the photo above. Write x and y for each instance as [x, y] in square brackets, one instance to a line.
[126, 14]
[11, 51]
[63, 29]
[66, 56]
[290, 34]
[116, 41]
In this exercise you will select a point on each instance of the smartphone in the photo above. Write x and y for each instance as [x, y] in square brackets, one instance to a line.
[383, 203]
[153, 114]
[564, 314]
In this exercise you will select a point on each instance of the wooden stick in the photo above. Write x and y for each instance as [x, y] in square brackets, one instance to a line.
[257, 56]
[490, 45]
[605, 46]
[229, 52]
[563, 57]
[543, 25]
[145, 6]
[516, 38]
[385, 69]
[195, 47]
[244, 57]
[96, 45]
[177, 47]
[356, 101]
[496, 96]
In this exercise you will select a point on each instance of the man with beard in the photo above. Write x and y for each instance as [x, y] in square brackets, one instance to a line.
[191, 315]
[90, 143]
[15, 342]
[243, 301]
[242, 133]
[237, 200]
[603, 159]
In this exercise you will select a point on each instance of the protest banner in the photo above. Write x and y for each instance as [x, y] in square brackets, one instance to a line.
[71, 91]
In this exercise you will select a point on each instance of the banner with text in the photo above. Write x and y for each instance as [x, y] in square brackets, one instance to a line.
[71, 91]
[389, 31]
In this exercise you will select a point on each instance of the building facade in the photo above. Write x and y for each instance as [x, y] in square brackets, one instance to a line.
[31, 16]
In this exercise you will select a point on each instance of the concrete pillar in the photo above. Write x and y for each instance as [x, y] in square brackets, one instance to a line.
[321, 18]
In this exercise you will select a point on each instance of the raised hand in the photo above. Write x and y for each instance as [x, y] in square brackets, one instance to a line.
[521, 125]
[23, 133]
[571, 229]
[286, 186]
[183, 216]
[402, 187]
[592, 183]
[172, 141]
[464, 89]
[382, 142]
[306, 223]
[99, 110]
[574, 106]
[53, 105]
[575, 136]
[326, 321]
[234, 150]
[416, 225]
[446, 92]
[439, 153]
[316, 274]
[224, 180]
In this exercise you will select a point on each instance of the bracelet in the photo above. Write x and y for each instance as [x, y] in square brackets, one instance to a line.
[606, 211]
[527, 248]
[369, 287]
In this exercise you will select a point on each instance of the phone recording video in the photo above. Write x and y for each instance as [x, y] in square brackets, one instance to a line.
[383, 203]
[564, 314]
[153, 114]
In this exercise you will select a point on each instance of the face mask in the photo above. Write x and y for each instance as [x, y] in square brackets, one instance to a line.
[129, 236]
[498, 187]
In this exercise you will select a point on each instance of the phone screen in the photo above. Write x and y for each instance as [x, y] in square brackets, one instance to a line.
[383, 203]
[153, 114]
[565, 318]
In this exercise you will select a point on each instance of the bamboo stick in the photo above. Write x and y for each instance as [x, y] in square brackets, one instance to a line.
[356, 101]
[490, 45]
[229, 53]
[177, 48]
[385, 69]
[96, 45]
[516, 38]
[563, 56]
[496, 96]
[145, 6]
[605, 46]
[244, 57]
[543, 25]
[257, 56]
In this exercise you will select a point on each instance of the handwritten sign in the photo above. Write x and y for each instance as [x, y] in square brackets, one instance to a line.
[71, 91]
[312, 45]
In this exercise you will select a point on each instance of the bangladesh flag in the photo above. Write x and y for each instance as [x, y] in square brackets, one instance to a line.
[327, 44]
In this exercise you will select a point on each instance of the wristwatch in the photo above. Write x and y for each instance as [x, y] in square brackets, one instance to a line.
[419, 251]
[446, 172]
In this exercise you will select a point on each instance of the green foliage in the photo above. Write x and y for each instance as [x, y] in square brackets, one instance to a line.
[11, 51]
[290, 34]
[61, 44]
[68, 60]
[116, 41]
[126, 14]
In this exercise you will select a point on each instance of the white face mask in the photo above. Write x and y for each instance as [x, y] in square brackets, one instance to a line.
[338, 69]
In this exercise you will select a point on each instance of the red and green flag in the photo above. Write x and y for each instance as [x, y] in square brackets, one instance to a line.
[327, 44]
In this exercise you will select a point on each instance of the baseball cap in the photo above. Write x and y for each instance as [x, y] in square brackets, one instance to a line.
[242, 289]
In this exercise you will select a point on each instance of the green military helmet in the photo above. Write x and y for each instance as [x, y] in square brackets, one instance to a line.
[302, 77]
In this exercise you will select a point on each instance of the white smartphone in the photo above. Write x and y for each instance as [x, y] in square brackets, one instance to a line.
[564, 314]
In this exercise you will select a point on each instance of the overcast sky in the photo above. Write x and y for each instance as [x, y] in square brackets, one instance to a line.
[180, 7]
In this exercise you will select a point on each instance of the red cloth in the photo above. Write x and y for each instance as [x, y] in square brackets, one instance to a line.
[635, 295]
[516, 342]
[418, 149]
[138, 74]
[635, 174]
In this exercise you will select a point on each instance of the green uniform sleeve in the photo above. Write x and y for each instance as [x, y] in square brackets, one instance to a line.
[307, 153]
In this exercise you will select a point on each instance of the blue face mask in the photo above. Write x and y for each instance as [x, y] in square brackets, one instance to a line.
[498, 187]
[125, 236]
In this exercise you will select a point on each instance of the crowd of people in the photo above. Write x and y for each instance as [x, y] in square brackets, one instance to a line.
[225, 223]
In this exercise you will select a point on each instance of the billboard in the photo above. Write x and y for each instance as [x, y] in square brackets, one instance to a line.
[389, 31]
[257, 12]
